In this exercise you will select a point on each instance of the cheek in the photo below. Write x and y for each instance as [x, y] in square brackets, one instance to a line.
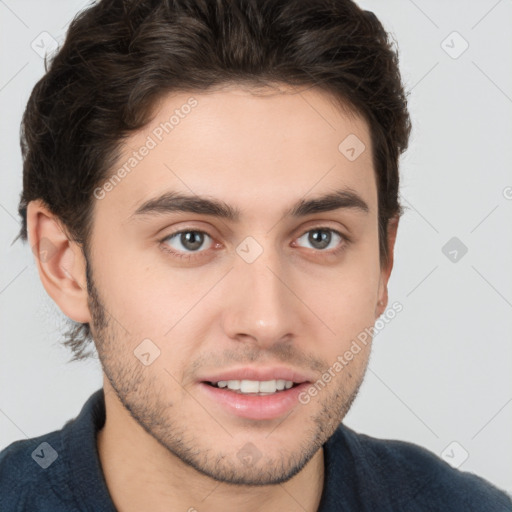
[150, 299]
[345, 299]
[130, 289]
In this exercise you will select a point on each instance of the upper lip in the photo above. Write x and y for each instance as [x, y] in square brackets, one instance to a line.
[261, 374]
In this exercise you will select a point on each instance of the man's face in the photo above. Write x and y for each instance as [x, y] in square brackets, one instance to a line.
[269, 292]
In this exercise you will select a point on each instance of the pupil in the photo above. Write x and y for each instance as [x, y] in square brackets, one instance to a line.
[322, 241]
[192, 240]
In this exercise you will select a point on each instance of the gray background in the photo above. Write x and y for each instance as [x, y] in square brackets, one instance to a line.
[440, 372]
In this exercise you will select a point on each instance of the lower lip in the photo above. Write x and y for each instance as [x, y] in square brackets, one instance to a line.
[255, 407]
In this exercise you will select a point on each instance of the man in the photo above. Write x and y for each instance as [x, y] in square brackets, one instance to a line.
[212, 190]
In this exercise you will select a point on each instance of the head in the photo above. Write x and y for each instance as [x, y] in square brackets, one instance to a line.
[214, 186]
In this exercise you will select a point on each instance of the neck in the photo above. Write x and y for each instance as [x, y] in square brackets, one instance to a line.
[141, 474]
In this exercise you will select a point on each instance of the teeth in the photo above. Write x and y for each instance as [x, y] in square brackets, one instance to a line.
[255, 386]
[266, 386]
[250, 386]
[280, 384]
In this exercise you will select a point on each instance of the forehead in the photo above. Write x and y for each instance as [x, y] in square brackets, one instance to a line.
[245, 146]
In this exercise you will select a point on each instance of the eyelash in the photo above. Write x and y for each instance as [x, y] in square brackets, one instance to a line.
[192, 255]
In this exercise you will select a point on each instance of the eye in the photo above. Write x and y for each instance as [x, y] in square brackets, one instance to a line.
[189, 243]
[323, 238]
[186, 241]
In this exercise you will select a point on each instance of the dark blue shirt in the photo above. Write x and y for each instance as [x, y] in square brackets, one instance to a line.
[61, 472]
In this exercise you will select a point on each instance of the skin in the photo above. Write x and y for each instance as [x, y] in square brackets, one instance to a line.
[297, 305]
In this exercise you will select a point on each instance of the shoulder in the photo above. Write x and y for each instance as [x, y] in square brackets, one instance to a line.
[32, 473]
[416, 479]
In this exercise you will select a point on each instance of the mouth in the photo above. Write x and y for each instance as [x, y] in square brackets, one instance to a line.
[254, 387]
[257, 393]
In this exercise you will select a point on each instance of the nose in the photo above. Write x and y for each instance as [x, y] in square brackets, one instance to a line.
[261, 305]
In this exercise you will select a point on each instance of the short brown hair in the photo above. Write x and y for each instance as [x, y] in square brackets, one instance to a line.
[121, 56]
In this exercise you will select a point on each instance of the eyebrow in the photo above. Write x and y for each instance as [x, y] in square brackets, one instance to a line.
[178, 202]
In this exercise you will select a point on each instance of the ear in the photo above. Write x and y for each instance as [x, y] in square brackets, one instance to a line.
[59, 260]
[386, 270]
